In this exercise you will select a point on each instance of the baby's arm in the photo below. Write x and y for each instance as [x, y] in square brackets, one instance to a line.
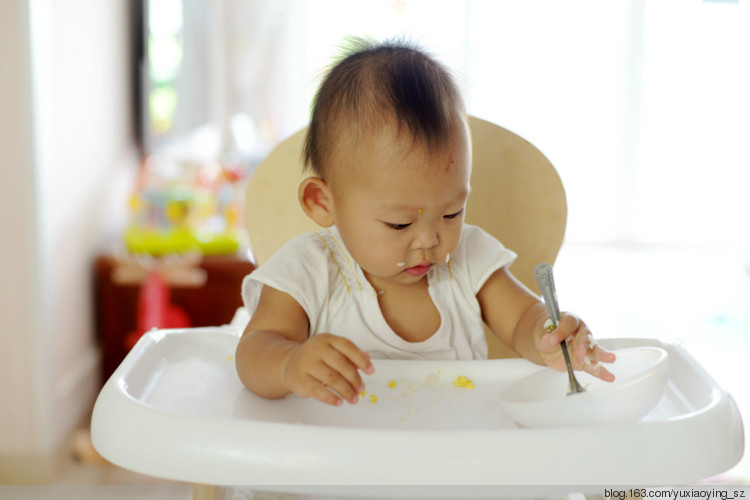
[274, 356]
[517, 317]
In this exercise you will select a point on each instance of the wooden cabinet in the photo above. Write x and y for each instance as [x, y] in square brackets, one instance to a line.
[210, 301]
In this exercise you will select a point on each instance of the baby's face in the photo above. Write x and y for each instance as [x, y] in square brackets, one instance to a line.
[400, 209]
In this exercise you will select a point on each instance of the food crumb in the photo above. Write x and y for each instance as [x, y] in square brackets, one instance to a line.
[229, 358]
[373, 398]
[392, 384]
[462, 381]
[362, 394]
[549, 325]
[410, 390]
[592, 341]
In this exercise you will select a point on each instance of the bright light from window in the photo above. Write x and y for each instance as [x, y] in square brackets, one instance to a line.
[165, 53]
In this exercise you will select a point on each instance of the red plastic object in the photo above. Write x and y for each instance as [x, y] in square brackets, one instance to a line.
[155, 310]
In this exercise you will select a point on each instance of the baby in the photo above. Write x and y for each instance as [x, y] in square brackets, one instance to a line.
[395, 272]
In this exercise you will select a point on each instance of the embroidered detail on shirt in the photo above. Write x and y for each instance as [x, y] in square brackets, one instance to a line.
[346, 256]
[333, 256]
[450, 272]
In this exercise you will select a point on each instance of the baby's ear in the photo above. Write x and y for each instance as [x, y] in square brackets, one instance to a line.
[315, 198]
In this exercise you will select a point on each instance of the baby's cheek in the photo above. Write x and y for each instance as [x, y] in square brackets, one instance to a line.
[452, 243]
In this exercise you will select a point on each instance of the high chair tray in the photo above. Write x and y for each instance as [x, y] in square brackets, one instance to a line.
[175, 409]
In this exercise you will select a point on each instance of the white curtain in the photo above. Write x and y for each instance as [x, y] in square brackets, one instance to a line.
[642, 105]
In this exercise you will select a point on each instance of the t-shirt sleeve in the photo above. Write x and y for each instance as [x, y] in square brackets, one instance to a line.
[480, 255]
[298, 269]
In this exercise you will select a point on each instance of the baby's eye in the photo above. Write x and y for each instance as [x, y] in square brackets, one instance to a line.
[398, 227]
[453, 216]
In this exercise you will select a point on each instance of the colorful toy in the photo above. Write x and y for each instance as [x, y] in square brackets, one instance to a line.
[179, 206]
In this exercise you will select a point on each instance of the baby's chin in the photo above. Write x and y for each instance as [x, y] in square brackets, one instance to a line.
[399, 276]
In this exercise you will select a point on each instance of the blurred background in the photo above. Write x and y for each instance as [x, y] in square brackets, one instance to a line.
[642, 105]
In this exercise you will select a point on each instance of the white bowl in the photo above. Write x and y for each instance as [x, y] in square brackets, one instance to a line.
[540, 400]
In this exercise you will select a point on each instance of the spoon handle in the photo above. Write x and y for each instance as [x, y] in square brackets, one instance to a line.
[546, 281]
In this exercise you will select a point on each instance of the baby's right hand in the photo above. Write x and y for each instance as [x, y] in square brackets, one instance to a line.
[326, 363]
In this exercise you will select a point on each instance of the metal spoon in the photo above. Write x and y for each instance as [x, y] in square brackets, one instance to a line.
[546, 282]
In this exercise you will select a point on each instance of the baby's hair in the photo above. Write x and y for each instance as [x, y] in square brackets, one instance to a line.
[371, 85]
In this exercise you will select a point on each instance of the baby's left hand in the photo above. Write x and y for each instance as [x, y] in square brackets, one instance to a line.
[585, 354]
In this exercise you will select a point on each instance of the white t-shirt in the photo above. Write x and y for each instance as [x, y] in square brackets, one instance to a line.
[319, 273]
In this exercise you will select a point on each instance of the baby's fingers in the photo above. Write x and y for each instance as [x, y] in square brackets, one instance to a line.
[342, 376]
[353, 354]
[592, 363]
[331, 386]
[566, 330]
[603, 355]
[340, 362]
[320, 391]
[599, 371]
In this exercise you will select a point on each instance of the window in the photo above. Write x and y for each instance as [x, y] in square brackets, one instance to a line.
[642, 106]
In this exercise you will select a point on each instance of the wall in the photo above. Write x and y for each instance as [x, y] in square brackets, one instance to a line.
[68, 158]
[19, 239]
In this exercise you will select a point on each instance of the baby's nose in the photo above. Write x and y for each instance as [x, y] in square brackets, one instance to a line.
[426, 239]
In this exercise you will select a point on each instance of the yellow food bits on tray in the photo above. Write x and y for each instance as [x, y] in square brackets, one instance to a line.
[373, 398]
[392, 384]
[462, 381]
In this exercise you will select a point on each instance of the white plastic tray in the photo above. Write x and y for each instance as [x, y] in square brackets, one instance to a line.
[175, 409]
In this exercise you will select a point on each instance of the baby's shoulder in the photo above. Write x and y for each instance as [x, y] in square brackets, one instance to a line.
[306, 243]
[475, 238]
[303, 263]
[319, 256]
[477, 256]
[313, 249]
[470, 231]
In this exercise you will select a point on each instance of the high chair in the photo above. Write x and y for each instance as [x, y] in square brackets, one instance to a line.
[516, 195]
[175, 407]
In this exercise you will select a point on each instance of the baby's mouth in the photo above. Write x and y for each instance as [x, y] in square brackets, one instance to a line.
[418, 270]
